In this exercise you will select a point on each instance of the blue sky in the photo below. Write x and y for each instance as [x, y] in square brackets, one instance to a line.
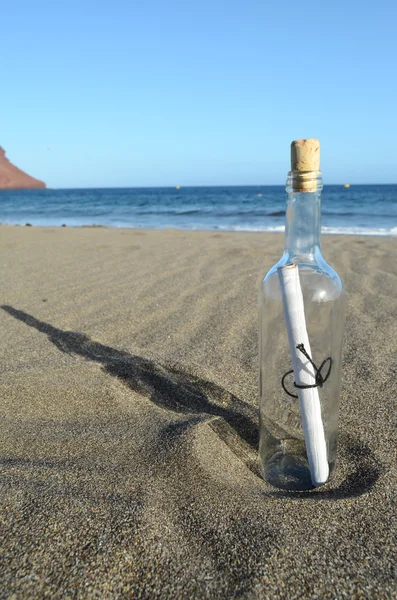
[128, 93]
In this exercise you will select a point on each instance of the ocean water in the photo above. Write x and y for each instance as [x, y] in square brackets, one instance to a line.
[360, 209]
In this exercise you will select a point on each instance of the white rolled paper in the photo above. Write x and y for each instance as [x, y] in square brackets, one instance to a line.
[309, 401]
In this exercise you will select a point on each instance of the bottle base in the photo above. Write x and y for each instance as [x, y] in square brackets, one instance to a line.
[288, 472]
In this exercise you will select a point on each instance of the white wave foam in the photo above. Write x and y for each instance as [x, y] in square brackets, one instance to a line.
[324, 230]
[359, 231]
[274, 229]
[43, 222]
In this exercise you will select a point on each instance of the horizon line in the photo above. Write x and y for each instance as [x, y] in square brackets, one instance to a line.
[179, 187]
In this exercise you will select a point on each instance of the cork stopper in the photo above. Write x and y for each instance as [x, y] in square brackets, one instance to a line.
[305, 164]
[305, 155]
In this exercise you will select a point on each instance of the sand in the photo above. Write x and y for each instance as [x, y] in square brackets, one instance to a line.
[129, 430]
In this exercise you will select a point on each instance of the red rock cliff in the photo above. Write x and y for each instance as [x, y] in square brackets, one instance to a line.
[12, 178]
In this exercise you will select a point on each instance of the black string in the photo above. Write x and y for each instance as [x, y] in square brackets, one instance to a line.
[319, 379]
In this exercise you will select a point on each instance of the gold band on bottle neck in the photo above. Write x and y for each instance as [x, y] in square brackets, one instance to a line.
[304, 181]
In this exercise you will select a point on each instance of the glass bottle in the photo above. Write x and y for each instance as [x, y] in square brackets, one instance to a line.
[285, 454]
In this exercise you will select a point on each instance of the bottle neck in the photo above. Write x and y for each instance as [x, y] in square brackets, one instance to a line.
[303, 224]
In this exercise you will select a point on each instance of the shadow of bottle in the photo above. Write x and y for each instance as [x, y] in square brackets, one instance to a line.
[168, 386]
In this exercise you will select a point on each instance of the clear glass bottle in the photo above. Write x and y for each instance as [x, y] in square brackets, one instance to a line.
[282, 453]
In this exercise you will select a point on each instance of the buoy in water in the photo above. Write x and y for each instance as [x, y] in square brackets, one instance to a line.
[346, 185]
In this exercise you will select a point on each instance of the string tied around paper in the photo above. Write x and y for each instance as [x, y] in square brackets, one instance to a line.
[320, 379]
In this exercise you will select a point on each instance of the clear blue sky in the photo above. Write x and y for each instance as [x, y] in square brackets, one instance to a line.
[128, 93]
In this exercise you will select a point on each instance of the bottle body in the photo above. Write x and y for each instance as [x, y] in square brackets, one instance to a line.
[283, 453]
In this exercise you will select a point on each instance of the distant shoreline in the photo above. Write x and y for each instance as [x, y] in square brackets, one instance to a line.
[324, 230]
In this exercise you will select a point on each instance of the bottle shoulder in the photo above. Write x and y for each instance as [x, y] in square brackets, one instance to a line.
[316, 275]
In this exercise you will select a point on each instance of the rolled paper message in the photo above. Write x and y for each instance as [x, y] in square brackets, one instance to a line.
[304, 372]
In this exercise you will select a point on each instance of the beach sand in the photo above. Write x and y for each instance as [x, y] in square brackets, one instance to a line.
[129, 430]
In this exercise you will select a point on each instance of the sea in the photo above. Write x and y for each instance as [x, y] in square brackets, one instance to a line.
[358, 209]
